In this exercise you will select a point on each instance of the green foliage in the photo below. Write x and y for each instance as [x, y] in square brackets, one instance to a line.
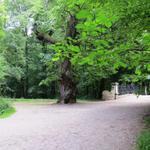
[8, 112]
[83, 14]
[3, 106]
[112, 40]
[3, 68]
[147, 120]
[2, 19]
[143, 142]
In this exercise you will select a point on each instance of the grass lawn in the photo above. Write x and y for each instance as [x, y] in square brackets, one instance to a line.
[44, 100]
[23, 100]
[143, 142]
[6, 109]
[7, 113]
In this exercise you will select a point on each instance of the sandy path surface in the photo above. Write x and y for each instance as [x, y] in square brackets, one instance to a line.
[111, 125]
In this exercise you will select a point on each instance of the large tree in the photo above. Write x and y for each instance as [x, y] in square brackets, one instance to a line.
[86, 44]
[78, 25]
[90, 34]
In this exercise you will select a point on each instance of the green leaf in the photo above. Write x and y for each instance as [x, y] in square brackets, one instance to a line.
[55, 59]
[75, 48]
[148, 67]
[138, 71]
[83, 14]
[80, 26]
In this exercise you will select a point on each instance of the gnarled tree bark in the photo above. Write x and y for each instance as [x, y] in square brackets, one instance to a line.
[67, 84]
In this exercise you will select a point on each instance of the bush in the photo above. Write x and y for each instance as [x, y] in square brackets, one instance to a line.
[144, 141]
[3, 106]
[147, 119]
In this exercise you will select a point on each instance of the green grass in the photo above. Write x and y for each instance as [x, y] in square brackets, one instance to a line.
[6, 109]
[43, 100]
[30, 100]
[3, 105]
[143, 142]
[147, 120]
[7, 113]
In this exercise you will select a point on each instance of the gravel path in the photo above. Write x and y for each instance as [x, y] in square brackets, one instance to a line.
[111, 125]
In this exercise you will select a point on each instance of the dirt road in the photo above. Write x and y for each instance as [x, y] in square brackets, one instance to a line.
[111, 125]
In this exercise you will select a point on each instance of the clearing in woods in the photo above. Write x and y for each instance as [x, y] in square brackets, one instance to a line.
[110, 125]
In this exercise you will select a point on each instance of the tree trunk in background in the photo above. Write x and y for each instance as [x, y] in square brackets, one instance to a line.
[44, 88]
[101, 87]
[26, 79]
[53, 91]
[26, 86]
[67, 85]
[145, 88]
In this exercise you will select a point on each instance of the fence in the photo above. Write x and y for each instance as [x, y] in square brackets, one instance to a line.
[127, 89]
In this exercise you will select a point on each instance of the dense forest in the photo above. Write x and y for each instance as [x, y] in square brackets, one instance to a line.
[72, 48]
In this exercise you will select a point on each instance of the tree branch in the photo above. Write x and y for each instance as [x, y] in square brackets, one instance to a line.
[45, 38]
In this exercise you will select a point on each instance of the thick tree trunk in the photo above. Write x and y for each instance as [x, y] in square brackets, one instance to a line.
[67, 85]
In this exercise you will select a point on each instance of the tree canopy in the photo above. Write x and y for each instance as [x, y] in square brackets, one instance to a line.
[76, 47]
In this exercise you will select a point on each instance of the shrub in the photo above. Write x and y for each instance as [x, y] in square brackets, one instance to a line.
[147, 119]
[144, 141]
[3, 106]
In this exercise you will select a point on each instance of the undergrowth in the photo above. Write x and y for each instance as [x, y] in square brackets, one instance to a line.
[6, 109]
[143, 142]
